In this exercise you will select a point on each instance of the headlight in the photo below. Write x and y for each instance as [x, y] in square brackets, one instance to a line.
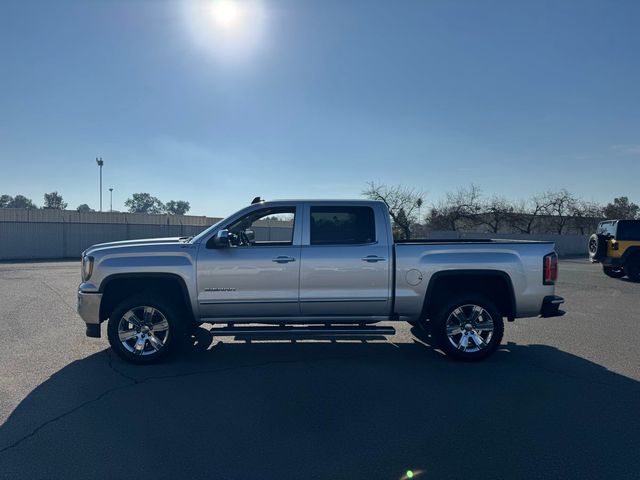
[87, 268]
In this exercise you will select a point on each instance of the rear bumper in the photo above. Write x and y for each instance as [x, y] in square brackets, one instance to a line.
[551, 306]
[609, 261]
[89, 311]
[612, 262]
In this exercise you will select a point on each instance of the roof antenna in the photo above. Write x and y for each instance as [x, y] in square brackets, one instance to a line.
[257, 200]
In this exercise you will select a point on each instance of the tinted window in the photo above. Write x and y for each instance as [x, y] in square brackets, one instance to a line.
[628, 231]
[342, 225]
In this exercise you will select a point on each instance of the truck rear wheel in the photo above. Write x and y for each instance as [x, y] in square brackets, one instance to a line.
[613, 272]
[143, 329]
[468, 328]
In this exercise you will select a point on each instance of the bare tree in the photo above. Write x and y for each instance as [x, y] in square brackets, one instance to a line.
[459, 209]
[586, 216]
[559, 206]
[495, 213]
[525, 215]
[401, 202]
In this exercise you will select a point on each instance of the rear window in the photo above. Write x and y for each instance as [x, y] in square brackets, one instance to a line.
[342, 225]
[607, 228]
[628, 231]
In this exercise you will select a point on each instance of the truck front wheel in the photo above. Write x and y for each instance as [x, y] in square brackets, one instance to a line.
[468, 328]
[143, 329]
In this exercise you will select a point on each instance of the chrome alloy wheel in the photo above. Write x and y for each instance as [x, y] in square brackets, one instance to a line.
[469, 328]
[143, 330]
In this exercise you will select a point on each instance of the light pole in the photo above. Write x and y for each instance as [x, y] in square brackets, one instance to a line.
[111, 199]
[100, 163]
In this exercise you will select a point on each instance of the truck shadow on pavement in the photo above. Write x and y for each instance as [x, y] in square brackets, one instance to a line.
[327, 410]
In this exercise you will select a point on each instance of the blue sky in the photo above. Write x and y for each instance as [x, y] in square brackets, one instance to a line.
[291, 98]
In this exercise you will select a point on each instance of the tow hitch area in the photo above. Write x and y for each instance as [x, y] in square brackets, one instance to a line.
[551, 306]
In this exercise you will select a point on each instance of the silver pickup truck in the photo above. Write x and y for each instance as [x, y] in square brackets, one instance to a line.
[312, 267]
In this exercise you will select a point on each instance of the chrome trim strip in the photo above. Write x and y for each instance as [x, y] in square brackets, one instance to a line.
[242, 302]
[296, 319]
[303, 330]
[323, 300]
[350, 300]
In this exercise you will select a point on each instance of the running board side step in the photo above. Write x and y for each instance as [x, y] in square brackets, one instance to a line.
[312, 330]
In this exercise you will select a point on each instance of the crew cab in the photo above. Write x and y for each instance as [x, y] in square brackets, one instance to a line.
[312, 267]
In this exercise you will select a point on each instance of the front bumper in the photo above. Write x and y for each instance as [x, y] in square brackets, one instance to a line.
[551, 306]
[89, 311]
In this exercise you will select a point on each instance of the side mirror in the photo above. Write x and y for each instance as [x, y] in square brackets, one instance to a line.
[221, 239]
[251, 236]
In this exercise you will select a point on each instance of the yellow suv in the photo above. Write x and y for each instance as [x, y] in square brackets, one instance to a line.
[616, 245]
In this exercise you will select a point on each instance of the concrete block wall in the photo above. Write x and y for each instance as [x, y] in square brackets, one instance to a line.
[40, 234]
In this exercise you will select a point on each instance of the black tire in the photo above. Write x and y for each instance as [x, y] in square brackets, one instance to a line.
[632, 268]
[149, 333]
[443, 341]
[614, 272]
[597, 246]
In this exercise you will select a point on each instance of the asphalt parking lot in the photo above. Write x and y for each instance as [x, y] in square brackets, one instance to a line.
[559, 400]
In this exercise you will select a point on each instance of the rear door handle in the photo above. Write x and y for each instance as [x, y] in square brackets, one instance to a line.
[283, 259]
[373, 259]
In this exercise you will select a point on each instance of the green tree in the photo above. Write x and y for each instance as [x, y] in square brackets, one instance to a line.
[621, 209]
[54, 201]
[5, 201]
[419, 204]
[144, 203]
[84, 208]
[20, 201]
[177, 207]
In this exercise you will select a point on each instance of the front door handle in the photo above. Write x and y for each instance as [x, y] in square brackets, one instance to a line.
[283, 259]
[373, 259]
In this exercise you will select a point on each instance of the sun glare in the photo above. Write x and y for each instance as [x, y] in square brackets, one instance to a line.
[231, 30]
[227, 13]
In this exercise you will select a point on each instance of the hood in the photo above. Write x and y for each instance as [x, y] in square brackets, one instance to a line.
[142, 241]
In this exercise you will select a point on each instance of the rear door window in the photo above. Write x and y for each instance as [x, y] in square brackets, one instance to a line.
[342, 226]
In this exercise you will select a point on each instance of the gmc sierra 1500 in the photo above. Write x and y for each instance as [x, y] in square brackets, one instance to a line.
[333, 269]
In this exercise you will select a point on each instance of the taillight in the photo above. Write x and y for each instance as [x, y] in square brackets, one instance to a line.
[550, 273]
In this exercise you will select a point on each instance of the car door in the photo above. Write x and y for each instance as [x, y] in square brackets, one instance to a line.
[345, 262]
[259, 278]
